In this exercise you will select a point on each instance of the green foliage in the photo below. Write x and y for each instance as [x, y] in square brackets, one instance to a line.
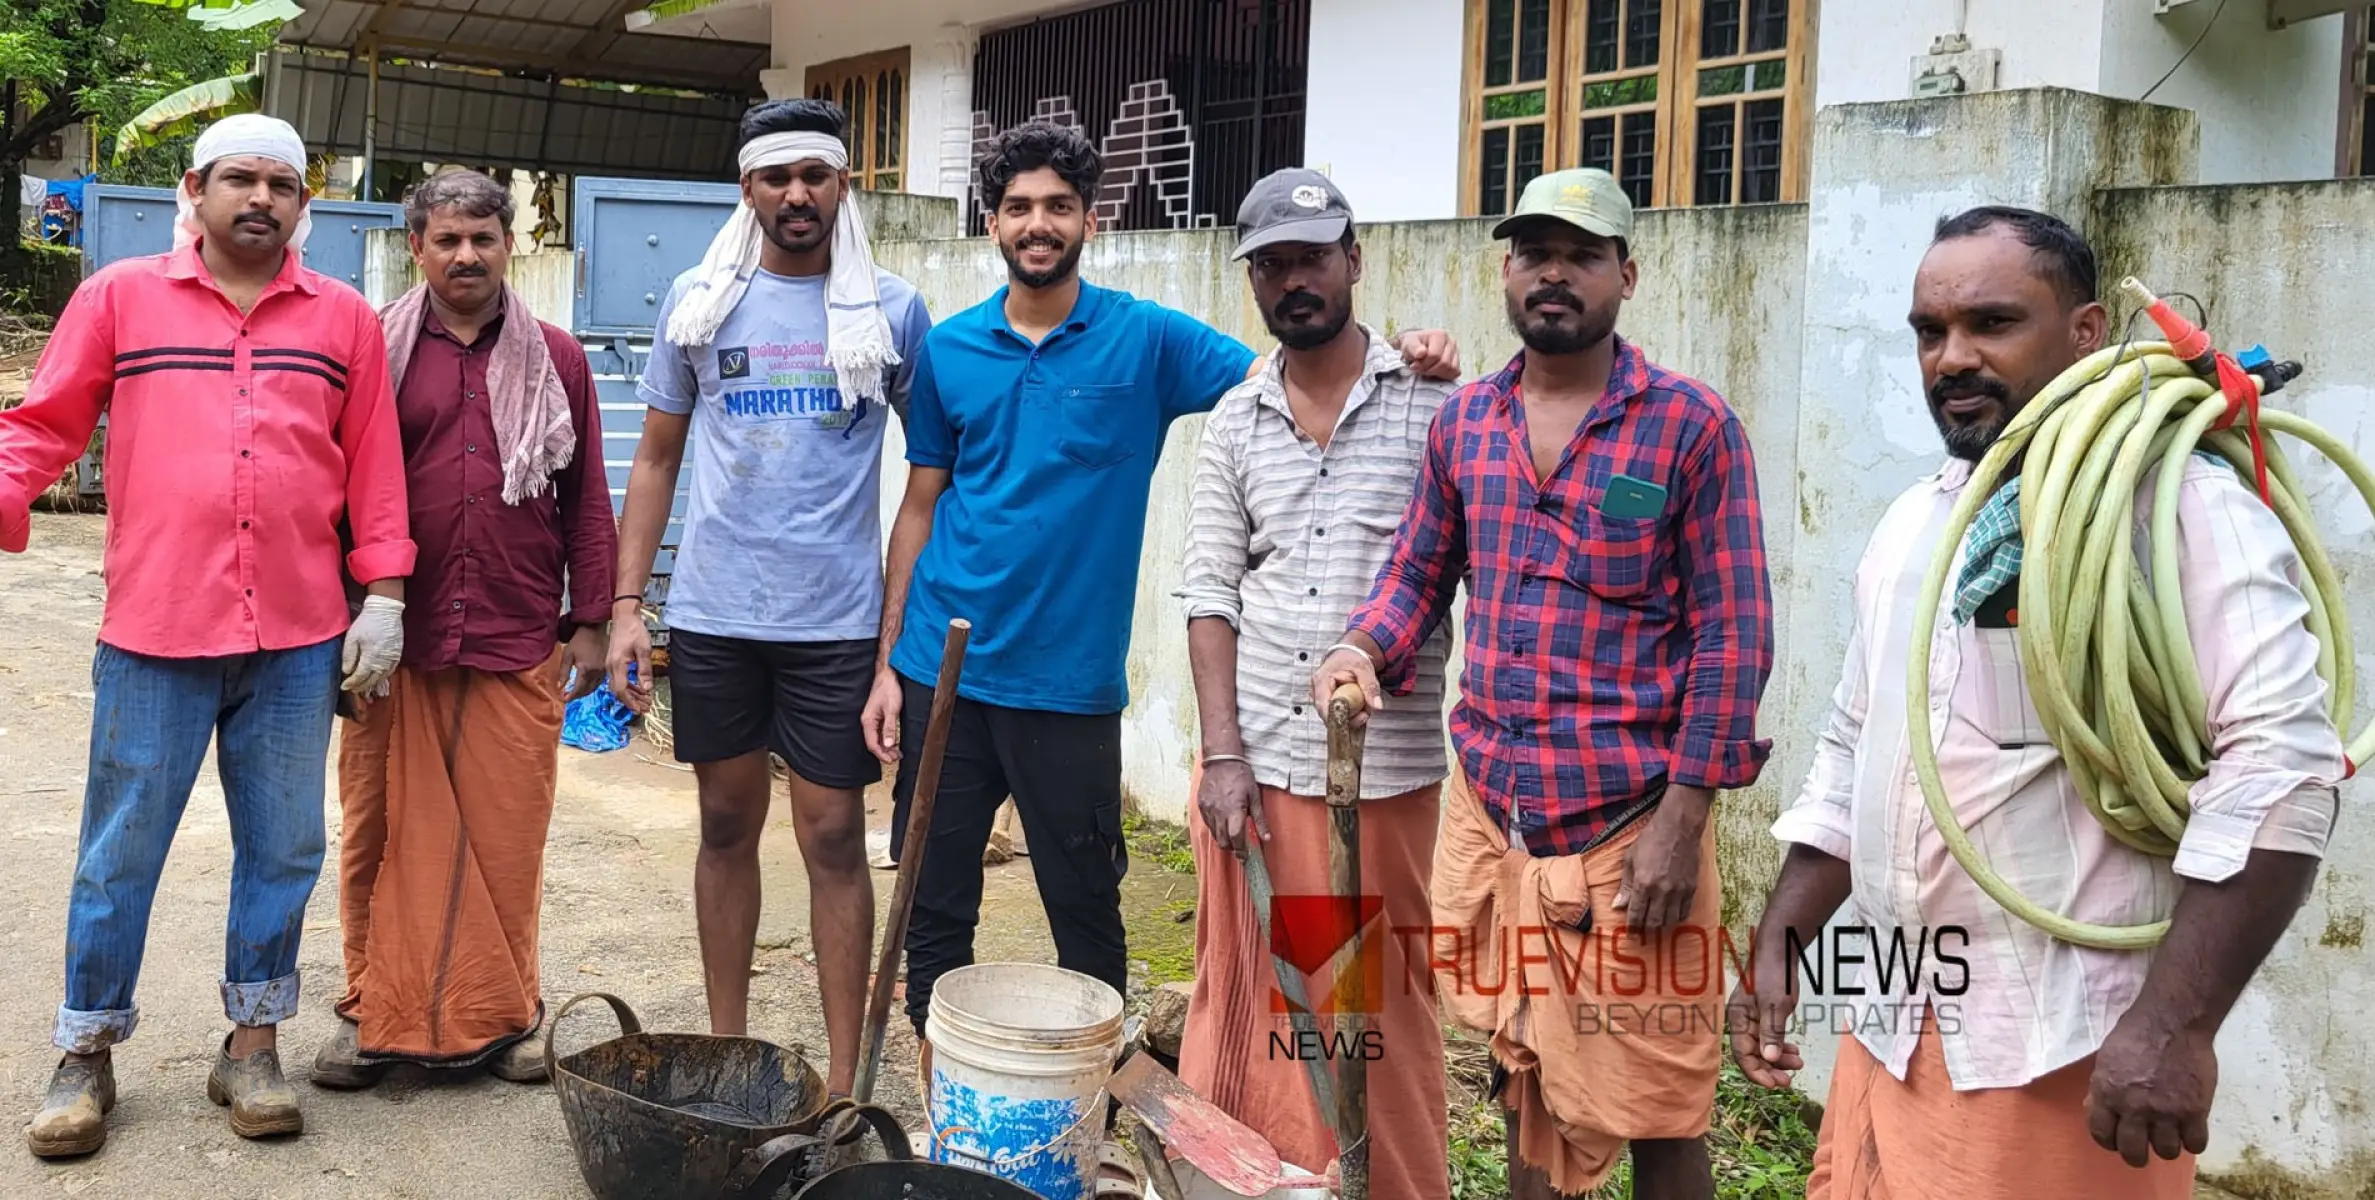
[1154, 841]
[183, 113]
[113, 58]
[1760, 1142]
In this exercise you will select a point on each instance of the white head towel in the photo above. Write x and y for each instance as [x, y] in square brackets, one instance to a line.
[858, 336]
[237, 137]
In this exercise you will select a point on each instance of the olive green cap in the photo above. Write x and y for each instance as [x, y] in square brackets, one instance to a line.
[1587, 198]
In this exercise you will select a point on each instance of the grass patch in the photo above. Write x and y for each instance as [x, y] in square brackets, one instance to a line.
[1163, 844]
[1761, 1145]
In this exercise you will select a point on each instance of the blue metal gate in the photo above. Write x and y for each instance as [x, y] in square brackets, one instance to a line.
[634, 237]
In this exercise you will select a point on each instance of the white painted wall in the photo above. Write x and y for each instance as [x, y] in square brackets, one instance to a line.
[2268, 100]
[1382, 116]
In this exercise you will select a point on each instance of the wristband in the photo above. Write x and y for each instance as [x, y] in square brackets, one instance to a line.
[1210, 759]
[1355, 649]
[637, 598]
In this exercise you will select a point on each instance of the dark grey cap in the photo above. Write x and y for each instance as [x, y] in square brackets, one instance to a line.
[1293, 205]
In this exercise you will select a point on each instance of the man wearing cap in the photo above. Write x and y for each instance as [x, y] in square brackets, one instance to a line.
[1303, 475]
[1603, 514]
[249, 414]
[781, 359]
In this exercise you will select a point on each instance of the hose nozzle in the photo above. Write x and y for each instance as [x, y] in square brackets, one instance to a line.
[2186, 339]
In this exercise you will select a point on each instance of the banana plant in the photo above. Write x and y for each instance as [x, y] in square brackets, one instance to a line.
[183, 112]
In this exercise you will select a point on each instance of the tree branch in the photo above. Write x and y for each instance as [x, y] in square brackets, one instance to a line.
[57, 113]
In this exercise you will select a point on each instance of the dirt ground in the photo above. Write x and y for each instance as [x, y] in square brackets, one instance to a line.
[618, 917]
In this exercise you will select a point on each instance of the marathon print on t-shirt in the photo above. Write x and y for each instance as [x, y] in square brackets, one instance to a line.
[782, 381]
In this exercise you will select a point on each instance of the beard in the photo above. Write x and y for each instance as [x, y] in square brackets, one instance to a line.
[1590, 326]
[1306, 335]
[1067, 262]
[1970, 440]
[798, 244]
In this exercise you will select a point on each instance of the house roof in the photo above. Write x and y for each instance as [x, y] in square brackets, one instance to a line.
[582, 39]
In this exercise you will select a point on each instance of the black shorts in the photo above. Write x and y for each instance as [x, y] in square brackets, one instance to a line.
[801, 700]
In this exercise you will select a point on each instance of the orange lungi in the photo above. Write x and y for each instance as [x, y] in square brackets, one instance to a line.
[1228, 1055]
[447, 787]
[1923, 1140]
[1607, 1037]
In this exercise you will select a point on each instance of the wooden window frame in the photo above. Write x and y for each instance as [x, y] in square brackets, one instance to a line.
[875, 163]
[2358, 87]
[1677, 104]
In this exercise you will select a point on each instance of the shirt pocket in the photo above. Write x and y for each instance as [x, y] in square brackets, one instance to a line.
[1610, 557]
[2004, 714]
[1098, 425]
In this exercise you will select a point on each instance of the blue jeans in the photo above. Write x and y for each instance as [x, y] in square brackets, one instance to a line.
[151, 721]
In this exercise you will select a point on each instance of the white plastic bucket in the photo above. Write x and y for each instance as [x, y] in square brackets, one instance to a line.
[1019, 1057]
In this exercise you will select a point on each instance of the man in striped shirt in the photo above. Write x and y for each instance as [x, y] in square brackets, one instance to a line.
[1304, 472]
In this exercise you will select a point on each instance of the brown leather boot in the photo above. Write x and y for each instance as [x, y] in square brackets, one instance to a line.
[73, 1116]
[262, 1103]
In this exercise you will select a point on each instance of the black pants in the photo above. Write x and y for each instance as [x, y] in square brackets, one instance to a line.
[1065, 774]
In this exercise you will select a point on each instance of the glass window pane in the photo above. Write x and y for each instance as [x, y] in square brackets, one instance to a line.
[1770, 75]
[1760, 164]
[1641, 33]
[1509, 106]
[1722, 81]
[1768, 25]
[888, 181]
[857, 124]
[1500, 33]
[1713, 170]
[1600, 31]
[1599, 143]
[1639, 163]
[898, 119]
[1719, 29]
[882, 117]
[1613, 93]
[1533, 41]
[1492, 192]
[1529, 155]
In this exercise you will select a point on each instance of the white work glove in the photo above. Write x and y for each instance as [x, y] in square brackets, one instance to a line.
[374, 644]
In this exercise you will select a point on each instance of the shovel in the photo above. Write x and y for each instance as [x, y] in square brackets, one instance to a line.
[1222, 1147]
[1346, 740]
[911, 854]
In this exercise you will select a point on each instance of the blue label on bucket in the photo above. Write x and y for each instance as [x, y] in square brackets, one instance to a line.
[1024, 1141]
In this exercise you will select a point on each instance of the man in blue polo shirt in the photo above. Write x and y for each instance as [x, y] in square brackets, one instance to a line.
[1034, 424]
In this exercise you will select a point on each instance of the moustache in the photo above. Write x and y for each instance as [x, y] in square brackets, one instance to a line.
[1297, 304]
[267, 220]
[796, 213]
[1554, 295]
[1967, 384]
[472, 271]
[1040, 242]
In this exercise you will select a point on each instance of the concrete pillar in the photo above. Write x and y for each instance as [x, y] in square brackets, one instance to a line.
[1882, 175]
[940, 112]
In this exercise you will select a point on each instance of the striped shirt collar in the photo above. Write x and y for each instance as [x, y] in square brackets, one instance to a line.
[1384, 362]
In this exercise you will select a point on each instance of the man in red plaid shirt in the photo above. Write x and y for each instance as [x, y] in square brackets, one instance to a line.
[1603, 512]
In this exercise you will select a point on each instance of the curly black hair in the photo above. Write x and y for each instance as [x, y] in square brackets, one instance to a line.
[1035, 144]
[799, 115]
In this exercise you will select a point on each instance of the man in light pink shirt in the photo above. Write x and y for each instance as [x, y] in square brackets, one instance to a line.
[249, 418]
[2015, 1065]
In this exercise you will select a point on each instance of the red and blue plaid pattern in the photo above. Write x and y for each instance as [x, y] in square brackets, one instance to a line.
[1604, 655]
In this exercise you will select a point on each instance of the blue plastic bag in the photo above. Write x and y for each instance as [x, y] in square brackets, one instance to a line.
[596, 722]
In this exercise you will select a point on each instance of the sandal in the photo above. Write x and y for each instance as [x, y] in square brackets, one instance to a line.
[1117, 1175]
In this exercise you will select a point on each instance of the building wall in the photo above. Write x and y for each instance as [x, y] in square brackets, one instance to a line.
[2268, 99]
[1834, 412]
[1383, 113]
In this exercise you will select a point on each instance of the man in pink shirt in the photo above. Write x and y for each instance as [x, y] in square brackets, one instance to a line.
[249, 420]
[2021, 1066]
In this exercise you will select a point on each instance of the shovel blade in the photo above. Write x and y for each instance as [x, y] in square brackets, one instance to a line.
[1219, 1145]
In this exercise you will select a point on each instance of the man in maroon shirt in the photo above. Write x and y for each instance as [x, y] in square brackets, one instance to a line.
[447, 780]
